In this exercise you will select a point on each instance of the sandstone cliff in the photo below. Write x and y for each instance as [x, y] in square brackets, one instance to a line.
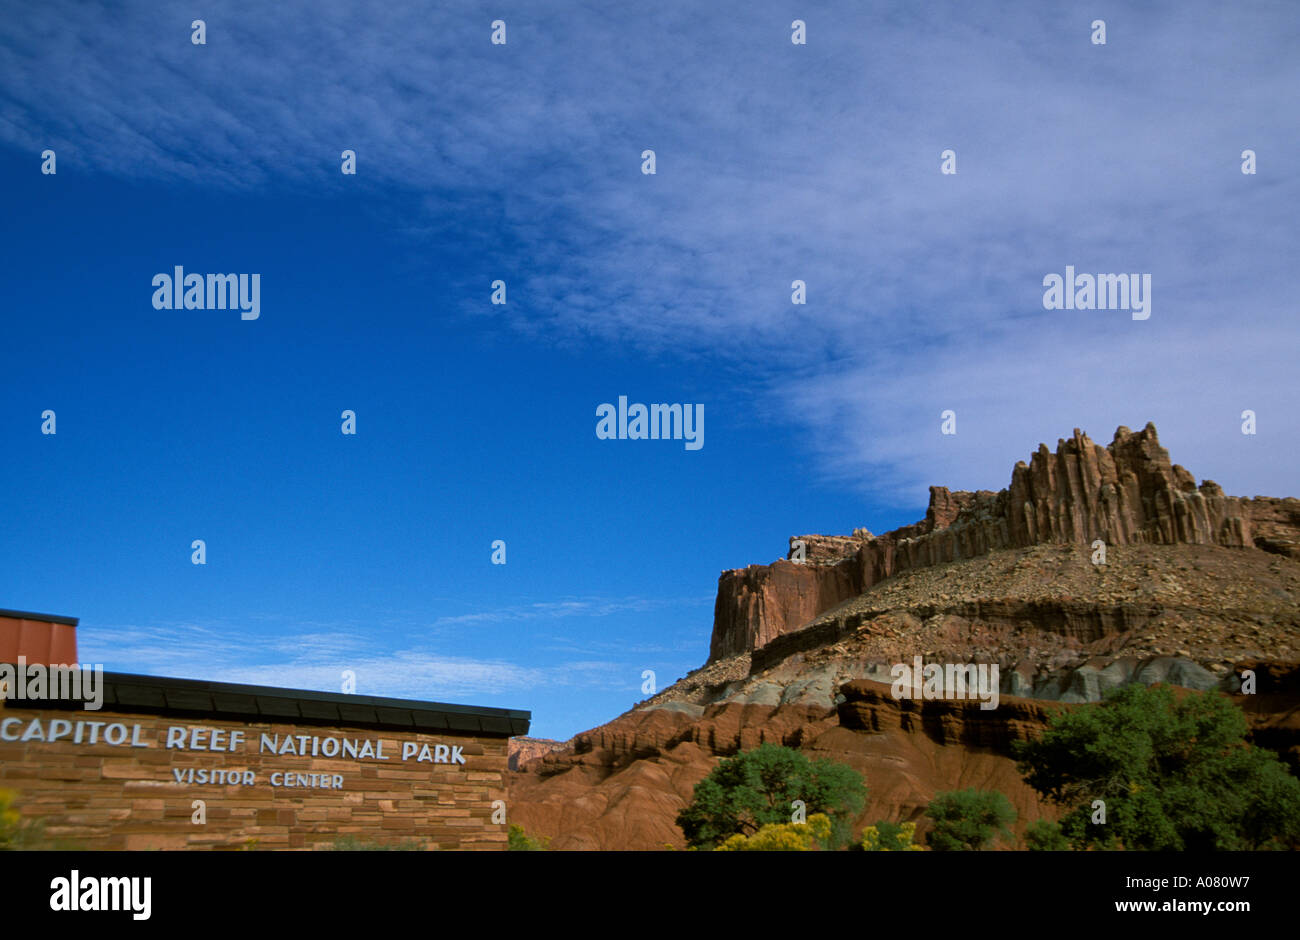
[524, 749]
[1123, 494]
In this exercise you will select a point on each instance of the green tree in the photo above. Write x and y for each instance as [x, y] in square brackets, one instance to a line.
[755, 788]
[519, 841]
[968, 820]
[1171, 772]
[1043, 835]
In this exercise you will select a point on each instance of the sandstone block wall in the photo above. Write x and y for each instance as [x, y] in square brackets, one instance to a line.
[106, 796]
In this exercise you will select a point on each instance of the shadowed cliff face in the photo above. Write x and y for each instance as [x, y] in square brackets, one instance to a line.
[755, 605]
[1127, 493]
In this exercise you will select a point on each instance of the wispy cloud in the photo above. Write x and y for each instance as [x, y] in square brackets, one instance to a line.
[556, 610]
[687, 641]
[776, 162]
[382, 664]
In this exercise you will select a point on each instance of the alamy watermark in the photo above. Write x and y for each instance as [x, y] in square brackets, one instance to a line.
[638, 422]
[81, 893]
[36, 681]
[968, 681]
[1098, 292]
[181, 291]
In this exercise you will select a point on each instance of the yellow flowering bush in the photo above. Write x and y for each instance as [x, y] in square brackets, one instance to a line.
[783, 837]
[10, 819]
[890, 837]
[16, 832]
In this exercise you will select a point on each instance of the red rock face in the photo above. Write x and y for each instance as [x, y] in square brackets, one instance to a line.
[523, 749]
[1275, 525]
[623, 784]
[1125, 493]
[759, 603]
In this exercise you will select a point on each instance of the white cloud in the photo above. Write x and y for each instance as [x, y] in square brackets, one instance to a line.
[777, 162]
[225, 652]
[554, 610]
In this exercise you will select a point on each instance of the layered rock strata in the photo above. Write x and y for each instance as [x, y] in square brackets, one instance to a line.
[1123, 494]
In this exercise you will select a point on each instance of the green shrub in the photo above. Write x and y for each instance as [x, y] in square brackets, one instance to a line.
[1173, 774]
[1043, 835]
[11, 822]
[519, 841]
[19, 834]
[353, 844]
[969, 820]
[757, 788]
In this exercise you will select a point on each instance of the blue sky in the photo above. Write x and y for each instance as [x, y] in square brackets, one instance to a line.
[522, 162]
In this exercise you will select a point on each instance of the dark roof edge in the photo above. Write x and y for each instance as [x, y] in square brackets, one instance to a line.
[47, 618]
[125, 692]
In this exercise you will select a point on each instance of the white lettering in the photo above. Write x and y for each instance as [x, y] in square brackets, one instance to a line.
[103, 894]
[656, 422]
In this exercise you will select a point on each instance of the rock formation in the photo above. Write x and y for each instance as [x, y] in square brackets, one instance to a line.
[524, 749]
[1123, 494]
[1197, 588]
[757, 604]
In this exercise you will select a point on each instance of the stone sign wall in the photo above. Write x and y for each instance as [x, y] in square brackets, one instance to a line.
[122, 779]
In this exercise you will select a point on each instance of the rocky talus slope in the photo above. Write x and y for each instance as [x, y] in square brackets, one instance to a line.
[1195, 588]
